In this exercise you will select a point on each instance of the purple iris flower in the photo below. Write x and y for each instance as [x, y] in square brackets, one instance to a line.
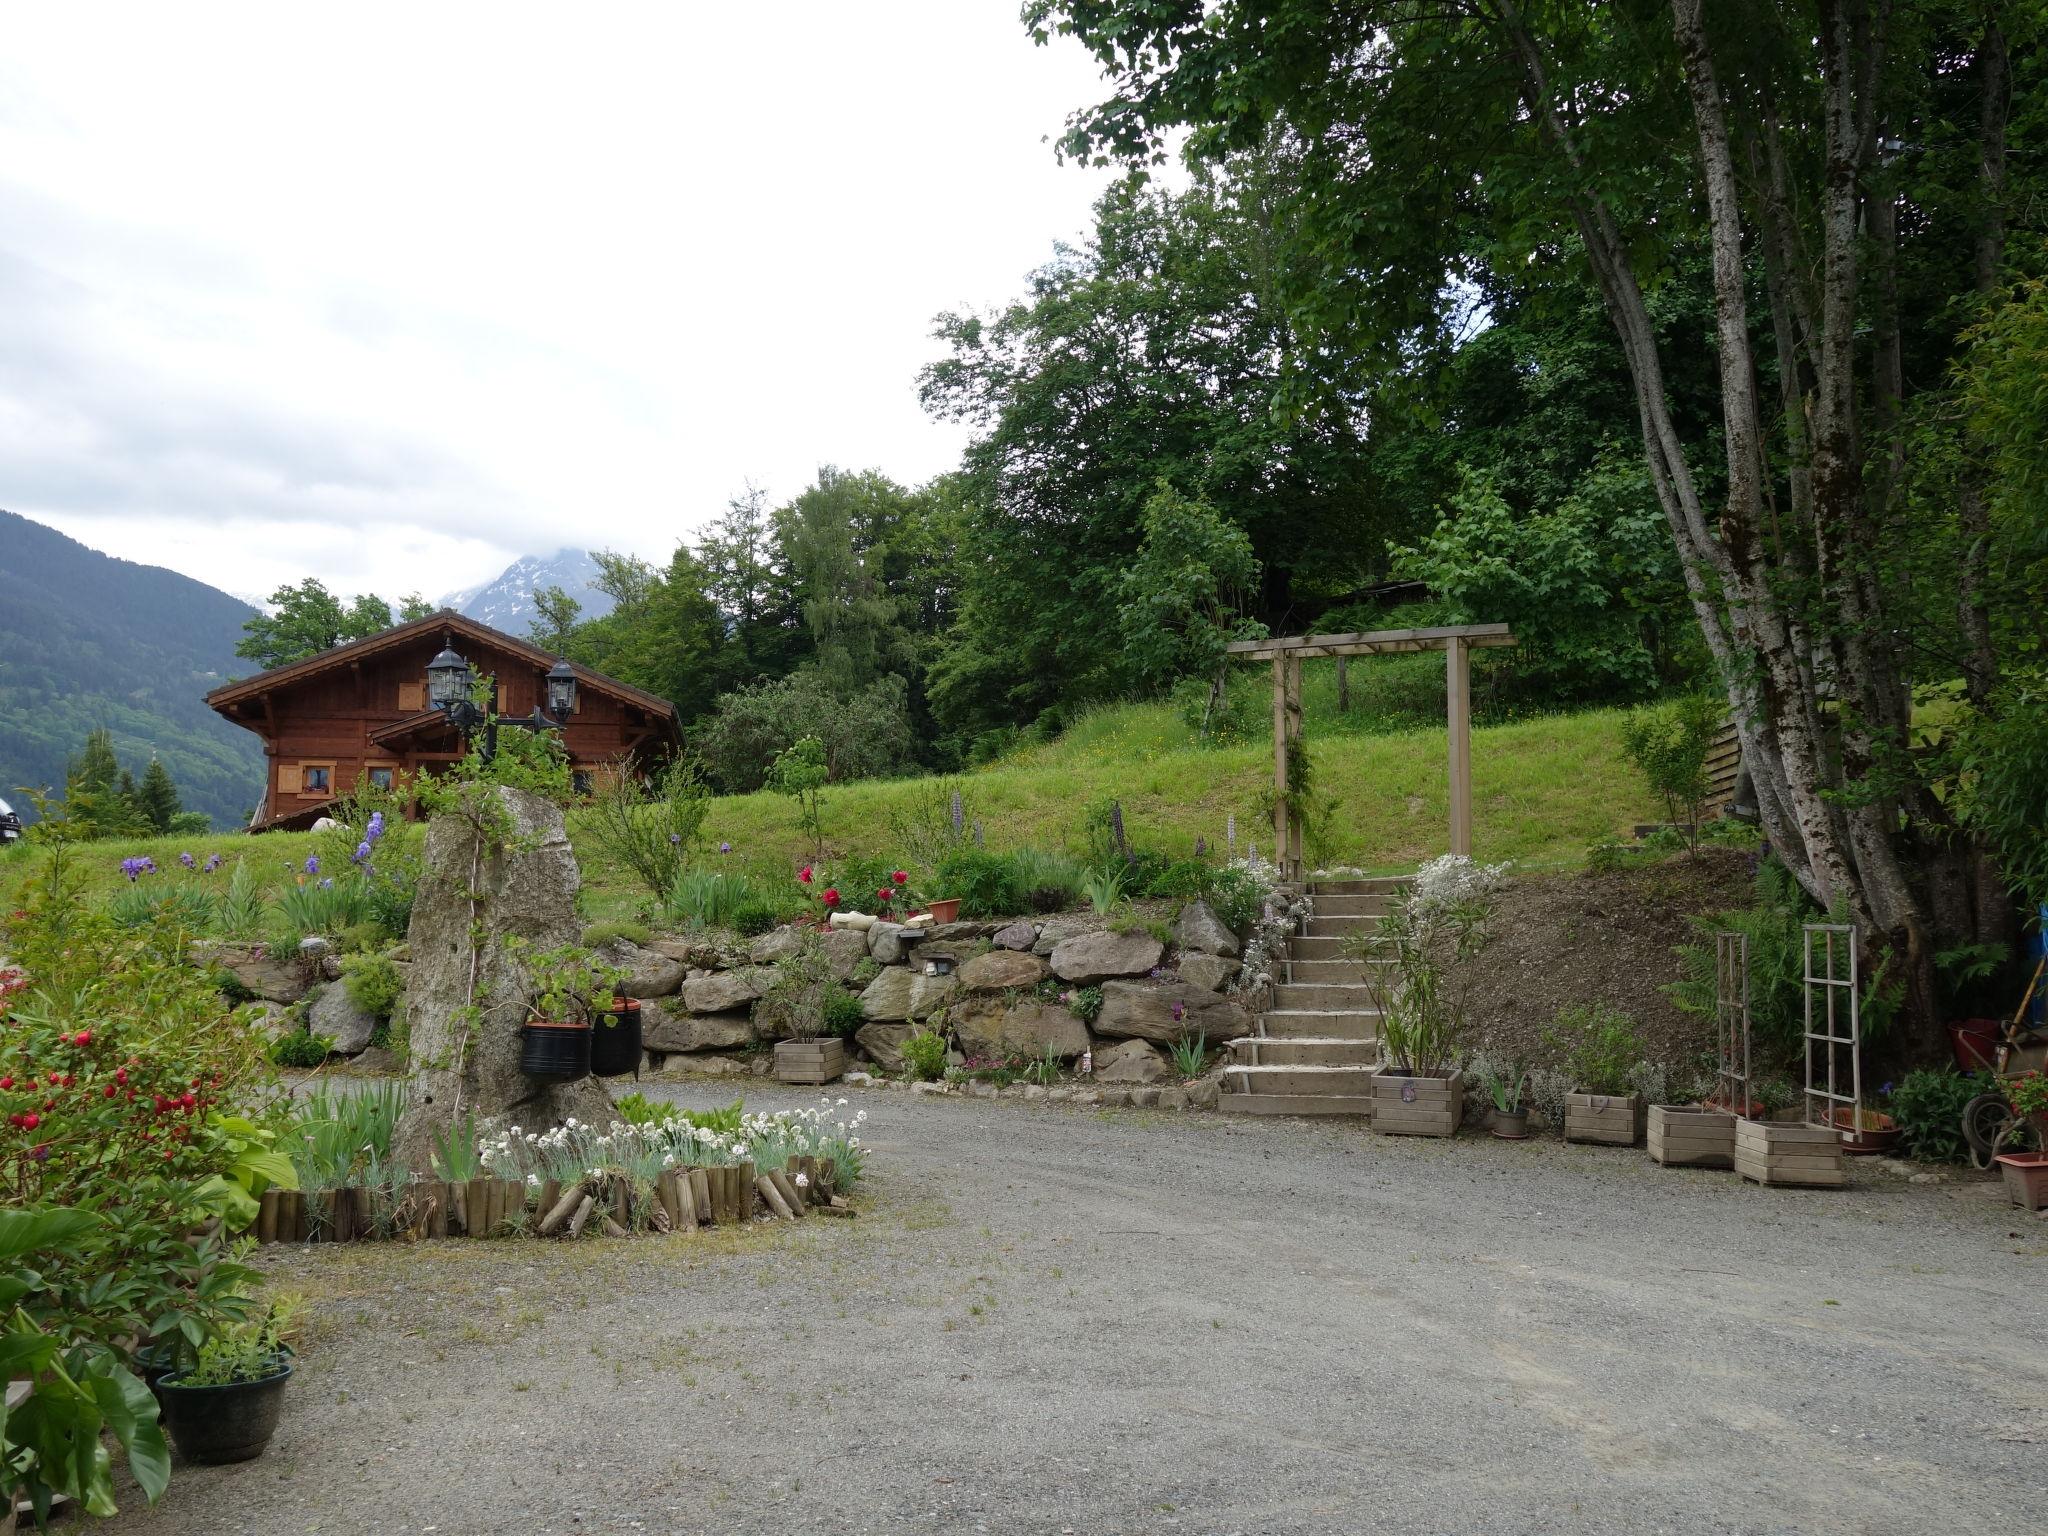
[312, 863]
[186, 859]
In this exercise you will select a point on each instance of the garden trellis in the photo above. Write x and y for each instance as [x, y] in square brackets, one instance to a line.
[1456, 641]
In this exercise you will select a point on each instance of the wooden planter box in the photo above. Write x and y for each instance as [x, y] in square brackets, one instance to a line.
[1687, 1136]
[1417, 1106]
[1614, 1120]
[1778, 1152]
[810, 1061]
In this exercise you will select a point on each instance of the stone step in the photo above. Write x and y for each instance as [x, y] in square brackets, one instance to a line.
[1352, 906]
[1319, 1024]
[1349, 1081]
[1294, 1104]
[1320, 927]
[1382, 885]
[1339, 972]
[1345, 997]
[1304, 1051]
[1317, 946]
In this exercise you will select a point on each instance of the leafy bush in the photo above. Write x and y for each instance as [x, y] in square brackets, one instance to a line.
[638, 1109]
[924, 1056]
[1190, 1057]
[1236, 897]
[649, 831]
[755, 917]
[987, 884]
[1928, 1107]
[300, 1048]
[342, 1137]
[841, 1014]
[374, 983]
[317, 904]
[1669, 744]
[1599, 1046]
[865, 733]
[1104, 888]
[597, 935]
[1085, 1003]
[710, 898]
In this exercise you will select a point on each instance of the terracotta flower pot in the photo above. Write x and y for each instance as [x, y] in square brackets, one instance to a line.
[1874, 1133]
[2026, 1178]
[945, 911]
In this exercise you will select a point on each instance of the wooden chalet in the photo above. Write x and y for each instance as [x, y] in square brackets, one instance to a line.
[360, 711]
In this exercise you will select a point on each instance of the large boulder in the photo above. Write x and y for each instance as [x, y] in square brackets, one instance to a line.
[1095, 957]
[275, 977]
[1212, 973]
[1055, 933]
[1001, 970]
[1168, 1011]
[664, 1027]
[339, 1017]
[884, 1044]
[778, 944]
[931, 994]
[887, 998]
[1202, 931]
[890, 942]
[987, 1026]
[845, 948]
[953, 933]
[1018, 935]
[699, 953]
[1134, 1061]
[649, 973]
[725, 991]
[483, 882]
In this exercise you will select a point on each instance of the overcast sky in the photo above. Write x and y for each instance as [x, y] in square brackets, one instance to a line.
[394, 294]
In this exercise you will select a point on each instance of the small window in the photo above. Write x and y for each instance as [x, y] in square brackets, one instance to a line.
[316, 778]
[579, 780]
[380, 778]
[412, 697]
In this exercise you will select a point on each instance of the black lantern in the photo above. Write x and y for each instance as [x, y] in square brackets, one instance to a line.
[562, 690]
[447, 680]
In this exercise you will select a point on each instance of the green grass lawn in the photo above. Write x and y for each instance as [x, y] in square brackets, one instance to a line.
[1543, 791]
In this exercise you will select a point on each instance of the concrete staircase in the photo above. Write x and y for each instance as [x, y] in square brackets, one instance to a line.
[1314, 1051]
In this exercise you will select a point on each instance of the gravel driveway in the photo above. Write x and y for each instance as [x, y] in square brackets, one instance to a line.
[1061, 1320]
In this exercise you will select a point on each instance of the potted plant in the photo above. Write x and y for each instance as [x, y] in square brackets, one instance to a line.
[1600, 1047]
[225, 1406]
[1510, 1094]
[2026, 1178]
[1419, 991]
[1865, 1132]
[615, 1039]
[570, 990]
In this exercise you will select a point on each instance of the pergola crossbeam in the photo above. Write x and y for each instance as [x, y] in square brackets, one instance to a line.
[1456, 641]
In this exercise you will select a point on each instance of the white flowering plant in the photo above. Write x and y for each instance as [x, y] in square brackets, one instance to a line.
[1281, 913]
[1413, 955]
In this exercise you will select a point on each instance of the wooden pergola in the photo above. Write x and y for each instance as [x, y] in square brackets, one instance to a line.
[1456, 641]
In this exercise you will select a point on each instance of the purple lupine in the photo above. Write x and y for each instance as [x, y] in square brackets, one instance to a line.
[959, 814]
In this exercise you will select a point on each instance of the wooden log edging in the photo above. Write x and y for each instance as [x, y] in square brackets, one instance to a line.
[680, 1201]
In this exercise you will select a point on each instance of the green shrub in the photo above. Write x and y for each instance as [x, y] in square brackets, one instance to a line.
[1182, 880]
[597, 935]
[359, 938]
[841, 1014]
[1237, 898]
[649, 831]
[710, 898]
[300, 1048]
[1928, 1106]
[1669, 744]
[1600, 1047]
[1085, 1003]
[374, 983]
[755, 917]
[1050, 881]
[638, 1109]
[924, 1056]
[987, 884]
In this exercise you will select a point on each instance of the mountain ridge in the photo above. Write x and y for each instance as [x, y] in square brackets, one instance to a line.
[506, 600]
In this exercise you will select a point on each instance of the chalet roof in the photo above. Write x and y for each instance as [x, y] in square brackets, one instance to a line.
[447, 621]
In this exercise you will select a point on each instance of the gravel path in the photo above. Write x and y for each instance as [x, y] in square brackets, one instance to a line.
[1059, 1320]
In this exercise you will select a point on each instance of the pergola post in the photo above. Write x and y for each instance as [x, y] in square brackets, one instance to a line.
[1291, 866]
[1280, 763]
[1458, 694]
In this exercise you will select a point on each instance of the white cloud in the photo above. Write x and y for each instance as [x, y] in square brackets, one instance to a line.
[393, 294]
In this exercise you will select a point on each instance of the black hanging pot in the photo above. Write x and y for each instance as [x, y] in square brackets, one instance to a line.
[615, 1040]
[554, 1050]
[232, 1422]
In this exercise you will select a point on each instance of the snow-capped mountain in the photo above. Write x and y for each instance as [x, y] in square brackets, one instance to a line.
[506, 601]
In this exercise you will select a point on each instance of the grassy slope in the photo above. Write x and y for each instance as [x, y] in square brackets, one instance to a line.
[1543, 790]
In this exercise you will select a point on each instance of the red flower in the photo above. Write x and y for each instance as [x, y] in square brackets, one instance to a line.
[885, 895]
[31, 1120]
[831, 896]
[804, 874]
[83, 1037]
[6, 1082]
[899, 878]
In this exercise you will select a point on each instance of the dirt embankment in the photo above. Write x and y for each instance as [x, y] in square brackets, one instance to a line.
[1610, 938]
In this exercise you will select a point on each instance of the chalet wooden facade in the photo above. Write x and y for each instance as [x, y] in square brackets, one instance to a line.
[360, 711]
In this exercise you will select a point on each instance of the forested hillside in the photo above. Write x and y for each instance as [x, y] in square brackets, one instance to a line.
[87, 640]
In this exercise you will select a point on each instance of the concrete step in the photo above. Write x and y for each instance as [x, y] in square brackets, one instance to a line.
[1320, 927]
[1349, 1081]
[1320, 946]
[1382, 885]
[1319, 1024]
[1352, 906]
[1306, 1051]
[1353, 997]
[1294, 1104]
[1334, 972]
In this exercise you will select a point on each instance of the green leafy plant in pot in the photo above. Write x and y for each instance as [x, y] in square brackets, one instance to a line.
[1509, 1091]
[226, 1405]
[571, 990]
